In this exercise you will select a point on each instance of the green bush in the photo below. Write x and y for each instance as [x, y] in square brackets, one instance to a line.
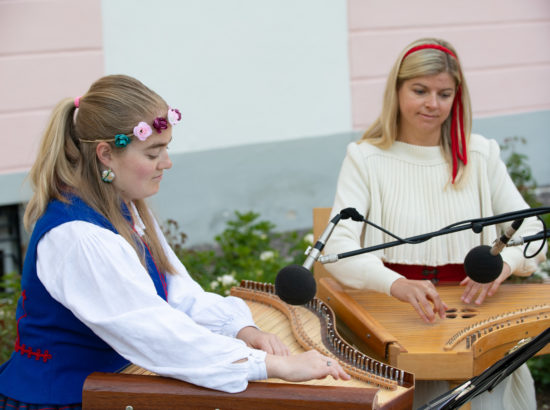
[248, 248]
[520, 171]
[540, 369]
[10, 286]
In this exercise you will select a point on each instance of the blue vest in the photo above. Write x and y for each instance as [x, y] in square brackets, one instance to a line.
[54, 351]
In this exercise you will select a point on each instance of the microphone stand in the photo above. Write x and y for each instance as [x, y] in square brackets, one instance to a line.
[492, 376]
[475, 224]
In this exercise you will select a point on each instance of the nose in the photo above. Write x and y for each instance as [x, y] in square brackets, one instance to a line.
[432, 101]
[166, 162]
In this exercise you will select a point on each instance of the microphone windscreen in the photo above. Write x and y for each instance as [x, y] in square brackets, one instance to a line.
[295, 285]
[481, 266]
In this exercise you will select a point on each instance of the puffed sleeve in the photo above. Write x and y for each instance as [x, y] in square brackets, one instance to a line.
[223, 315]
[364, 271]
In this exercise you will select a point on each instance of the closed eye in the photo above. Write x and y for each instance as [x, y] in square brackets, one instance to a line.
[156, 154]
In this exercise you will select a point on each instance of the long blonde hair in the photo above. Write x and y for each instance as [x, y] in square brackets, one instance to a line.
[425, 62]
[67, 162]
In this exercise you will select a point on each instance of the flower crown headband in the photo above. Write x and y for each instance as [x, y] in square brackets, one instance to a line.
[142, 131]
[456, 111]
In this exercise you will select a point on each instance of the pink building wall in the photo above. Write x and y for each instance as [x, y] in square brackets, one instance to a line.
[49, 49]
[504, 46]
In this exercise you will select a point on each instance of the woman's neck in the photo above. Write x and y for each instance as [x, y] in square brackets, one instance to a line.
[415, 137]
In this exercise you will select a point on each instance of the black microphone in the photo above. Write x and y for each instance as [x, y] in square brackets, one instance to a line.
[484, 263]
[295, 284]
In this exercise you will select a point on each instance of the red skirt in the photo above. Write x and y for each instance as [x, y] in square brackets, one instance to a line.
[453, 272]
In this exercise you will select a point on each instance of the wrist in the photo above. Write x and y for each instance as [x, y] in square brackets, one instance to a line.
[245, 332]
[506, 271]
[276, 366]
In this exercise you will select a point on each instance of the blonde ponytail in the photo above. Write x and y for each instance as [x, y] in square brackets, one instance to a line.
[54, 169]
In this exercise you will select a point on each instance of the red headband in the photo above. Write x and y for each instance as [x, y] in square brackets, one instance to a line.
[456, 111]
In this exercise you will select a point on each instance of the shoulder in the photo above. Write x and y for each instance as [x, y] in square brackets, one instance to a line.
[363, 149]
[487, 148]
[81, 234]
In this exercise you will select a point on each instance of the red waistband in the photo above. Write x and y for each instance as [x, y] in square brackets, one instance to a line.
[453, 272]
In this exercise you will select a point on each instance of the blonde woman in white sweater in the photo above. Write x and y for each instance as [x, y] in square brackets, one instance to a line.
[417, 169]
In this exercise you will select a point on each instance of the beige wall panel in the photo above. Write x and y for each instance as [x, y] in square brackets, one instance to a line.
[21, 138]
[49, 50]
[502, 45]
[372, 53]
[376, 14]
[39, 81]
[510, 91]
[39, 26]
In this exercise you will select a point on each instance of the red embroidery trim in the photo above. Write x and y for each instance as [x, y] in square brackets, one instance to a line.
[21, 348]
[32, 353]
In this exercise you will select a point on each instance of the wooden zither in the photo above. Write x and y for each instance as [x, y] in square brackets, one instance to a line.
[468, 340]
[465, 342]
[311, 326]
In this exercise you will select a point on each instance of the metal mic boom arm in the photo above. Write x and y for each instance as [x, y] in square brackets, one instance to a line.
[526, 239]
[475, 224]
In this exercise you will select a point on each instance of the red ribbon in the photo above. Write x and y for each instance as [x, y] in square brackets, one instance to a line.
[457, 113]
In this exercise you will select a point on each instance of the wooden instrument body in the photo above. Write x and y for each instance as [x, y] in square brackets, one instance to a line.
[118, 391]
[300, 328]
[462, 345]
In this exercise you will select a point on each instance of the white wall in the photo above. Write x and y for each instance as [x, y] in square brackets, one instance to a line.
[242, 71]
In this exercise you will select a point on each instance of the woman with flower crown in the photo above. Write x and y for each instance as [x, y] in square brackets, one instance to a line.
[417, 169]
[101, 287]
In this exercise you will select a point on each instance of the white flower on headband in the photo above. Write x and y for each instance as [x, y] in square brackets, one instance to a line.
[174, 116]
[142, 131]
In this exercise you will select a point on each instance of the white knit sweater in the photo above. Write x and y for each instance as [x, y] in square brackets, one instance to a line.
[405, 190]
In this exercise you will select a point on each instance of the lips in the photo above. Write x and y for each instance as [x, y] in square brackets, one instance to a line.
[432, 117]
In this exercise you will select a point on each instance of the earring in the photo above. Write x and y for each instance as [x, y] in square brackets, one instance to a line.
[107, 175]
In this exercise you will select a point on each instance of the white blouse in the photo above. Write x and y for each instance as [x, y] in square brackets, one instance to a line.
[97, 275]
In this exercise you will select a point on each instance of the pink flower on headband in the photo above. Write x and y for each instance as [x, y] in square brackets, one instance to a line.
[160, 124]
[174, 116]
[143, 130]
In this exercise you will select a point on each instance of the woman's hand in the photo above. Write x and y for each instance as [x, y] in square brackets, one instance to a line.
[422, 295]
[267, 342]
[484, 289]
[303, 367]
